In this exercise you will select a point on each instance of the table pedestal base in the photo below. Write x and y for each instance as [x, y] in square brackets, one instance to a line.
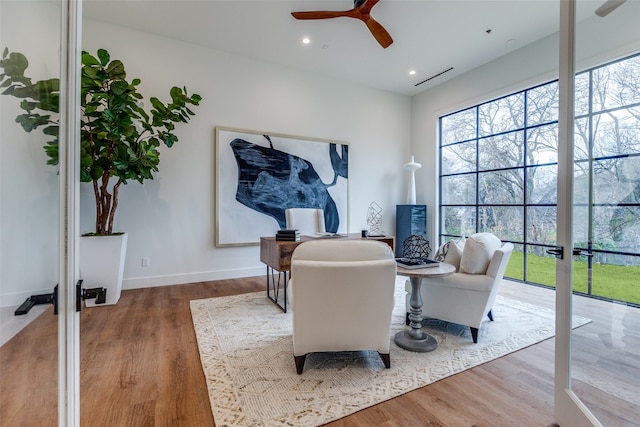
[424, 344]
[415, 339]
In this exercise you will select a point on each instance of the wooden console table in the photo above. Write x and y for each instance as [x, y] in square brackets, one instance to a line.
[276, 254]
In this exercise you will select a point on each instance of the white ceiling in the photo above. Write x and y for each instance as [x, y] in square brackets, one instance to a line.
[430, 36]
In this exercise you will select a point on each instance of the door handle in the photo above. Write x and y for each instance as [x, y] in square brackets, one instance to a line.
[582, 252]
[51, 298]
[100, 294]
[557, 252]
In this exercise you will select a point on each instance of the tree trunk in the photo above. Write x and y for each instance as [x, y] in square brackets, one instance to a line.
[106, 204]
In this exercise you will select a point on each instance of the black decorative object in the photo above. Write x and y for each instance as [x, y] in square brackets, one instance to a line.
[410, 220]
[416, 247]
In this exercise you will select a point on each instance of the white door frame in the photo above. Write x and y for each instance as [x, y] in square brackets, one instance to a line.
[68, 236]
[569, 409]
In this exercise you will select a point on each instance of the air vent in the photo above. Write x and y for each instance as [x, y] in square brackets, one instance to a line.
[434, 76]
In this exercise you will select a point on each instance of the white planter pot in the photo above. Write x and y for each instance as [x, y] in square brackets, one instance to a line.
[102, 265]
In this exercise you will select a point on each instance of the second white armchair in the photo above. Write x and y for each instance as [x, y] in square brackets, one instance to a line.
[467, 296]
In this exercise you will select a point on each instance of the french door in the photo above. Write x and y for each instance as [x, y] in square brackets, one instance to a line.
[39, 221]
[604, 133]
[569, 409]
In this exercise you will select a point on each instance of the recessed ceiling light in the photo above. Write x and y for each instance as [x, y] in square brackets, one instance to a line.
[306, 40]
[412, 72]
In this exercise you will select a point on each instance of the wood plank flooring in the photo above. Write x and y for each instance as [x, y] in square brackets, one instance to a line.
[140, 367]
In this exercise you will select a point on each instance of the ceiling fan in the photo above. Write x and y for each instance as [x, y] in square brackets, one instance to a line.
[362, 11]
[608, 7]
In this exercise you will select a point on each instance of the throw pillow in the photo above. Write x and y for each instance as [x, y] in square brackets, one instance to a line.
[441, 253]
[450, 252]
[478, 252]
[454, 252]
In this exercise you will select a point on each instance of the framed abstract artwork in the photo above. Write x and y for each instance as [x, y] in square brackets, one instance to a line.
[260, 174]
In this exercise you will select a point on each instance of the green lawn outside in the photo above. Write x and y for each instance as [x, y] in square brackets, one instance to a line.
[619, 282]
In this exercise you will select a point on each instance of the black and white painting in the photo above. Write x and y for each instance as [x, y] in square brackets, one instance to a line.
[259, 175]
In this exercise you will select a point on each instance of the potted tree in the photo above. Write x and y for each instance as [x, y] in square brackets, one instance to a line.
[119, 142]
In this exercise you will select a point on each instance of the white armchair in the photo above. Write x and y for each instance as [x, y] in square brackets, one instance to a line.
[307, 220]
[342, 296]
[467, 296]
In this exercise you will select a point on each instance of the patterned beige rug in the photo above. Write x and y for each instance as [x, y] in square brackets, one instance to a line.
[246, 353]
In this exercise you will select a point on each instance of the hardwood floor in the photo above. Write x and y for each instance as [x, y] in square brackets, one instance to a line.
[140, 367]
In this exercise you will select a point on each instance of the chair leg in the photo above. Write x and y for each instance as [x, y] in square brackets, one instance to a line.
[474, 334]
[386, 359]
[300, 363]
[490, 314]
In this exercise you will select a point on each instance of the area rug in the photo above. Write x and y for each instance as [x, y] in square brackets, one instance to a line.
[246, 352]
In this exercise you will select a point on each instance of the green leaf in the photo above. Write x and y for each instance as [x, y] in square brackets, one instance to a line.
[175, 92]
[28, 106]
[85, 176]
[86, 160]
[30, 122]
[47, 86]
[51, 130]
[115, 70]
[89, 72]
[158, 105]
[15, 64]
[104, 56]
[89, 60]
[96, 172]
[119, 87]
[170, 139]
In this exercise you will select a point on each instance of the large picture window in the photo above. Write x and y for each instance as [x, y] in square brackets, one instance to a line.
[498, 173]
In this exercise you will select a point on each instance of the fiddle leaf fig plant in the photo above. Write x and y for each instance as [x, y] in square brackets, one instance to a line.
[119, 138]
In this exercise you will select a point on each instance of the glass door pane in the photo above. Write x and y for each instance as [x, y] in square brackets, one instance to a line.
[605, 357]
[29, 225]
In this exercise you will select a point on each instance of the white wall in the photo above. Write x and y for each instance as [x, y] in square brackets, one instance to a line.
[598, 41]
[171, 219]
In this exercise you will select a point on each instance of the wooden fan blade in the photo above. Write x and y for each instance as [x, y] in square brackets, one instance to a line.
[367, 6]
[361, 12]
[379, 32]
[608, 7]
[319, 14]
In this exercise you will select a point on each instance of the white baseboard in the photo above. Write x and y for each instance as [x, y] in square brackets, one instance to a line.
[15, 299]
[180, 279]
[10, 324]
